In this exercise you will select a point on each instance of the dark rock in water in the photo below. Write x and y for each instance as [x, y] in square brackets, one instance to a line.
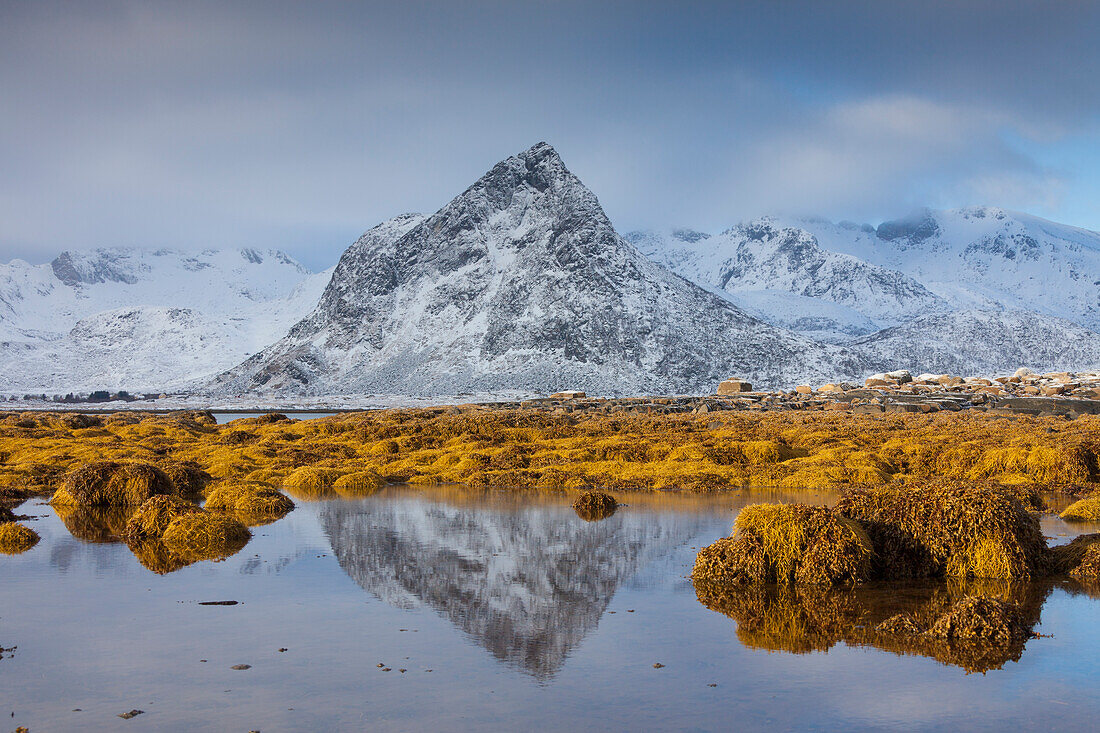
[241, 666]
[132, 714]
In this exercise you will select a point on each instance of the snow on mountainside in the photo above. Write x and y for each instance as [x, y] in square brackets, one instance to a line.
[983, 257]
[521, 283]
[783, 276]
[140, 319]
[983, 341]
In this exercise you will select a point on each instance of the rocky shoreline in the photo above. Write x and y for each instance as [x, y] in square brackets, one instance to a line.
[1064, 394]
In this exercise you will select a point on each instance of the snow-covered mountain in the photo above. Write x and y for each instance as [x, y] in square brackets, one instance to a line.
[983, 342]
[780, 274]
[521, 282]
[525, 580]
[963, 291]
[142, 319]
[984, 257]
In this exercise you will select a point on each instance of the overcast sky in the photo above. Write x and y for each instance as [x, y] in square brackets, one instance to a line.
[299, 125]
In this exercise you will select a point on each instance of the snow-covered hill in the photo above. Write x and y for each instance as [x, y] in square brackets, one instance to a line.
[521, 282]
[783, 276]
[983, 342]
[984, 257]
[963, 291]
[144, 320]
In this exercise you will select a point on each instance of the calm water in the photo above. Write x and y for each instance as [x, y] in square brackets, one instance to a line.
[224, 417]
[506, 613]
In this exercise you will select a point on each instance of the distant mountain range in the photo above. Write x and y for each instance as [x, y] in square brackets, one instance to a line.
[522, 283]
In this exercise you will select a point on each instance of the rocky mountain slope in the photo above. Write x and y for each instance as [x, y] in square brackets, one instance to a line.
[982, 342]
[521, 282]
[963, 291]
[139, 319]
[782, 275]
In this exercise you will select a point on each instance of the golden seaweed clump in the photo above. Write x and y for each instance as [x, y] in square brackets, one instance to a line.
[205, 536]
[1088, 570]
[249, 499]
[358, 483]
[788, 544]
[1083, 510]
[1066, 558]
[16, 538]
[154, 516]
[308, 483]
[934, 529]
[186, 478]
[107, 483]
[592, 506]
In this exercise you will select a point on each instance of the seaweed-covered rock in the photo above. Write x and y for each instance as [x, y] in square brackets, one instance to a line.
[1088, 569]
[358, 483]
[947, 529]
[205, 536]
[593, 506]
[1066, 558]
[16, 538]
[788, 543]
[252, 504]
[107, 483]
[1083, 510]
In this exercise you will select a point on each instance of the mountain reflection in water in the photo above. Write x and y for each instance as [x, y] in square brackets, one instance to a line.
[524, 578]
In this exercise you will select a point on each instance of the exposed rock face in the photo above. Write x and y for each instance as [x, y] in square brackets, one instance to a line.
[781, 274]
[520, 283]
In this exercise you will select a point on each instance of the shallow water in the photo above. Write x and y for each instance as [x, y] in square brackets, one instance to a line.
[526, 616]
[225, 417]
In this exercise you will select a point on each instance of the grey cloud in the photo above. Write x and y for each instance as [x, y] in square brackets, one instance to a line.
[300, 125]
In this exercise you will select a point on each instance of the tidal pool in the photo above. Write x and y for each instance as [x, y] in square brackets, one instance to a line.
[449, 609]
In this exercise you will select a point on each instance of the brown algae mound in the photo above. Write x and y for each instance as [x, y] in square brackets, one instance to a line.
[6, 515]
[154, 516]
[358, 483]
[107, 483]
[310, 484]
[1088, 570]
[592, 506]
[205, 536]
[977, 626]
[519, 448]
[16, 538]
[939, 529]
[249, 499]
[788, 544]
[1083, 510]
[186, 478]
[1066, 558]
